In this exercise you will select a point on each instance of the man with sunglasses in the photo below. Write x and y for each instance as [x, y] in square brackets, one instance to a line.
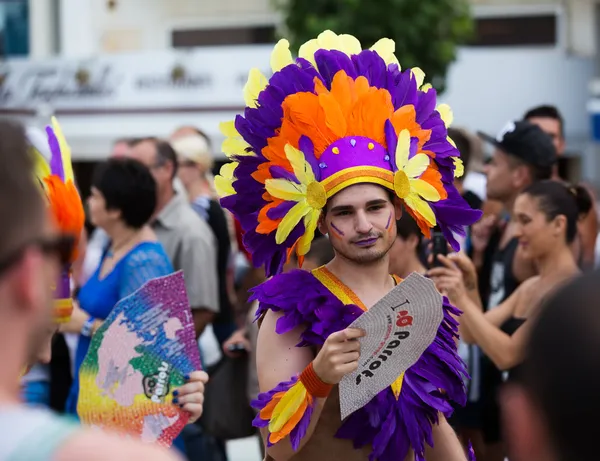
[32, 253]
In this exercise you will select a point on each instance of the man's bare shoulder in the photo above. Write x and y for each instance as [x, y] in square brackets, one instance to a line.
[98, 446]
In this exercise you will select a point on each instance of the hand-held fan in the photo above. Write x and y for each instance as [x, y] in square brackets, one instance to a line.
[136, 359]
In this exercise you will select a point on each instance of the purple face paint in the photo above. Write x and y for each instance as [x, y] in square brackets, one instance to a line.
[337, 231]
[387, 226]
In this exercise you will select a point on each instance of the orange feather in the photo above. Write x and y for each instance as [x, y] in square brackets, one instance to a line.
[66, 207]
[434, 177]
[267, 225]
[291, 423]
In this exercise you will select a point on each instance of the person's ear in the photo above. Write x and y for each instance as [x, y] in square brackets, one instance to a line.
[521, 176]
[559, 225]
[322, 225]
[397, 207]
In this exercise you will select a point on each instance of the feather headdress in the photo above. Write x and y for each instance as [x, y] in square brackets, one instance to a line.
[54, 173]
[336, 116]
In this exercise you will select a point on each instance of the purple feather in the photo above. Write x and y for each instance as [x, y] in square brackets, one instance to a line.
[308, 149]
[280, 211]
[330, 62]
[56, 165]
[279, 172]
[259, 124]
[425, 105]
[391, 140]
[390, 426]
[370, 65]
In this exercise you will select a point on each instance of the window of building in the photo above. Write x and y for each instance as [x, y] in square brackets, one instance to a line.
[14, 28]
[223, 36]
[516, 30]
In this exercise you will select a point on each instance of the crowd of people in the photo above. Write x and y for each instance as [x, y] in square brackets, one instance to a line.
[525, 317]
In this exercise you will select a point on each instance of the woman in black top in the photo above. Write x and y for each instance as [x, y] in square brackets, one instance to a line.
[546, 215]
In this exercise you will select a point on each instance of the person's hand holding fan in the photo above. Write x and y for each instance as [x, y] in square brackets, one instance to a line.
[141, 374]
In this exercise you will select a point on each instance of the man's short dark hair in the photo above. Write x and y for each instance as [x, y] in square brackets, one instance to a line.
[321, 251]
[561, 373]
[22, 207]
[547, 111]
[128, 186]
[164, 152]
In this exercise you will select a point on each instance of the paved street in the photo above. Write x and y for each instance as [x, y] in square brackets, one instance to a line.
[244, 450]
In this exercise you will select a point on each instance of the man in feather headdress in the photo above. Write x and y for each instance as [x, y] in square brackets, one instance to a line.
[342, 140]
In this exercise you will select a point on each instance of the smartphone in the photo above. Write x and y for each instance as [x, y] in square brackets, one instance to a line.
[439, 244]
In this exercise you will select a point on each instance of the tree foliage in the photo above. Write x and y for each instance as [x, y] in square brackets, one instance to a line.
[426, 32]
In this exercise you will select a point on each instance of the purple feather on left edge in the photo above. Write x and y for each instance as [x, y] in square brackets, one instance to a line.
[391, 427]
[56, 166]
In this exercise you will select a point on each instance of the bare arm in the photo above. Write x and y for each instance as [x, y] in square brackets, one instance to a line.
[504, 350]
[277, 360]
[446, 446]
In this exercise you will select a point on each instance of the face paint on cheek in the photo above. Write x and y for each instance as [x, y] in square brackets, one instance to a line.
[389, 222]
[336, 231]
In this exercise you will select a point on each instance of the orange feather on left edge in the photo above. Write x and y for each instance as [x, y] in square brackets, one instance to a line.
[66, 207]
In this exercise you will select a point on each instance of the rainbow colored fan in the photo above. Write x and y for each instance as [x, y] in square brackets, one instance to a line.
[136, 359]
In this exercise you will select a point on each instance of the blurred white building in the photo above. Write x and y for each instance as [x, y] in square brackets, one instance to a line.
[113, 68]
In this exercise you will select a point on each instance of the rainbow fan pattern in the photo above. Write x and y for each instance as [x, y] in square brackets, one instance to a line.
[136, 359]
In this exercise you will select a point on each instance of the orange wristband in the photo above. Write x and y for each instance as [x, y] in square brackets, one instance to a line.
[314, 385]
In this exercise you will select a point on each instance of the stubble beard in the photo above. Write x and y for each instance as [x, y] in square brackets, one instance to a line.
[364, 257]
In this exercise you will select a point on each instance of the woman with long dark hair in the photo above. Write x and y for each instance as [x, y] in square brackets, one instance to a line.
[546, 215]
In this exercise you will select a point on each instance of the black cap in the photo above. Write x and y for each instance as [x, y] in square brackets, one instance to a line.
[525, 141]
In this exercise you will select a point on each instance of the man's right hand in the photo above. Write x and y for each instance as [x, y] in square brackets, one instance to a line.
[338, 356]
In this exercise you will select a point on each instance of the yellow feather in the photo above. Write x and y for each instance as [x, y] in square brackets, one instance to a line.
[397, 386]
[228, 129]
[386, 49]
[329, 40]
[65, 150]
[349, 44]
[235, 146]
[421, 207]
[285, 190]
[41, 168]
[402, 149]
[446, 114]
[290, 221]
[302, 169]
[419, 76]
[307, 51]
[281, 55]
[459, 169]
[311, 221]
[416, 166]
[287, 407]
[425, 190]
[224, 186]
[255, 84]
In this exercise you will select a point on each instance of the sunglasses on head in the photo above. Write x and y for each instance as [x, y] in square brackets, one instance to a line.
[60, 246]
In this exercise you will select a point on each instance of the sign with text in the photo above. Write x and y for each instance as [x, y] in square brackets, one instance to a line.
[399, 328]
[211, 77]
